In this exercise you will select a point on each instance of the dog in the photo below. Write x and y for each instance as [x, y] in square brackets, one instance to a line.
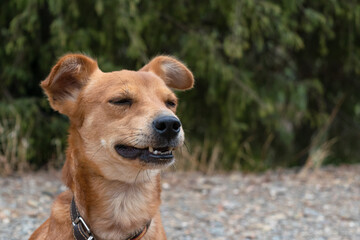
[123, 131]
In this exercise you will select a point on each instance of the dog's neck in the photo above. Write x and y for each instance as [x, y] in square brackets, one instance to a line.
[112, 209]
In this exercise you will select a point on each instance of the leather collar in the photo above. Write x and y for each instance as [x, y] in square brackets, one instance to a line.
[82, 232]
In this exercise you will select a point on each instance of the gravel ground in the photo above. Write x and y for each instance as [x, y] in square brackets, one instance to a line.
[275, 205]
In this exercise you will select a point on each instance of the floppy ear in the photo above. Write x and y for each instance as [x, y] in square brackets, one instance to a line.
[173, 72]
[66, 79]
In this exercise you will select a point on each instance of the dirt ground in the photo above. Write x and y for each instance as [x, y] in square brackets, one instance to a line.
[277, 205]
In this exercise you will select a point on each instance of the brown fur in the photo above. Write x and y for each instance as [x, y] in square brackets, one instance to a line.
[115, 196]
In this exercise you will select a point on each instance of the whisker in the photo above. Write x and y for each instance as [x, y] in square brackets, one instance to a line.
[137, 176]
[187, 147]
[92, 157]
[174, 167]
[147, 173]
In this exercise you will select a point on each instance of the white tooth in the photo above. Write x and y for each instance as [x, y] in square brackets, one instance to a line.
[151, 149]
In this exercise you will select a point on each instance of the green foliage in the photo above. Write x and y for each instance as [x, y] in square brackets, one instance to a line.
[28, 134]
[268, 73]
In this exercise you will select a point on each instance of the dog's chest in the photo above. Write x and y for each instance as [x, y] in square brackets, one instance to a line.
[132, 205]
[127, 211]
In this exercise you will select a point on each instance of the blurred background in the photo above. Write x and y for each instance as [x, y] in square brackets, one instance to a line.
[277, 82]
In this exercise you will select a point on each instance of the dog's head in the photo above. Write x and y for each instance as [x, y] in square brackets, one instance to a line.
[125, 119]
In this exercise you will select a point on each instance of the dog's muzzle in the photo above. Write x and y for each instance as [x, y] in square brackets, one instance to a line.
[164, 139]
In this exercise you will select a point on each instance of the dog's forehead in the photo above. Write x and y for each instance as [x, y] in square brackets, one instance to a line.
[125, 80]
[130, 78]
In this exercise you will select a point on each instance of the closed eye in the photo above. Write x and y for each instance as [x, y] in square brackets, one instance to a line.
[170, 103]
[122, 101]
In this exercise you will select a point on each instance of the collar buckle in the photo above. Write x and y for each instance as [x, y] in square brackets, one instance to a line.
[80, 220]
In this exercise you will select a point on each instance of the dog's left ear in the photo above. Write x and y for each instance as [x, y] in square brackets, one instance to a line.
[174, 73]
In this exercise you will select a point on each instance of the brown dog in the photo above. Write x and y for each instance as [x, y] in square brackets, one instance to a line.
[123, 131]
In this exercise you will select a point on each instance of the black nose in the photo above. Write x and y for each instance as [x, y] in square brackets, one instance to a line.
[167, 126]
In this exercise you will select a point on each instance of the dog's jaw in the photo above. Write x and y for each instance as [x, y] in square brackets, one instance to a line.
[118, 169]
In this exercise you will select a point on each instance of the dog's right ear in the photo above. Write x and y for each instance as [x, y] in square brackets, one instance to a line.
[66, 79]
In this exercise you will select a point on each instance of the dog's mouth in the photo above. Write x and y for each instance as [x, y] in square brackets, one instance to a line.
[154, 155]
